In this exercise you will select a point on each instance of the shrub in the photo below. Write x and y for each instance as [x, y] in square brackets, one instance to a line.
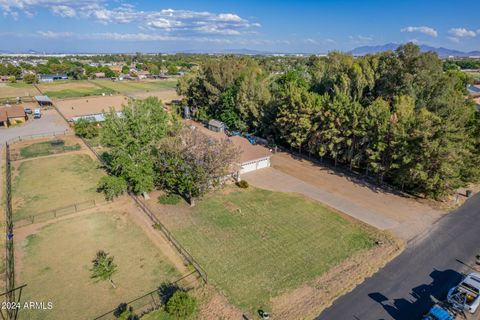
[181, 305]
[170, 198]
[30, 78]
[112, 186]
[122, 307]
[166, 291]
[86, 128]
[242, 184]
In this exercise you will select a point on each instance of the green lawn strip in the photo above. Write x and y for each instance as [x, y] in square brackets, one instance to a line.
[57, 261]
[136, 86]
[72, 93]
[256, 244]
[47, 148]
[54, 182]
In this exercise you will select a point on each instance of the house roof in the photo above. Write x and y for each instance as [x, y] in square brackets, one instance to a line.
[96, 117]
[3, 115]
[8, 111]
[43, 99]
[249, 152]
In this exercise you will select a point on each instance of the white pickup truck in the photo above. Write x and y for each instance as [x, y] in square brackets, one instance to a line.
[466, 295]
[37, 114]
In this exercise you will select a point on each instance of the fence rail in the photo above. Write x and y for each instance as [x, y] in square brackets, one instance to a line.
[169, 236]
[57, 212]
[9, 254]
[159, 225]
[37, 136]
[149, 301]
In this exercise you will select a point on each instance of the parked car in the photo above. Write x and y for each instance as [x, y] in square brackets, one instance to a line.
[37, 114]
[28, 110]
[466, 295]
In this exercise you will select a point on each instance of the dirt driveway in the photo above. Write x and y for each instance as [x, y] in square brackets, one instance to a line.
[405, 217]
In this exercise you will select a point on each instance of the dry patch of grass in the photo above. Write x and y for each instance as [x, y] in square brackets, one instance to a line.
[13, 90]
[54, 182]
[56, 264]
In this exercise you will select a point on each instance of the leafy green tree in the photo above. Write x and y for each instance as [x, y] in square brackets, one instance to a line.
[125, 69]
[103, 267]
[132, 138]
[12, 79]
[112, 186]
[191, 163]
[182, 306]
[86, 128]
[295, 111]
[30, 78]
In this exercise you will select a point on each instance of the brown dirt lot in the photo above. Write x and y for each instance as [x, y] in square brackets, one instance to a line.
[89, 105]
[166, 95]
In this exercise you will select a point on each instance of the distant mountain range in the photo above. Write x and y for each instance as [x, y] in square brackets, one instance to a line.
[360, 51]
[442, 52]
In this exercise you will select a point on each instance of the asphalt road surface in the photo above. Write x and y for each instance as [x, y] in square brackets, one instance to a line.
[430, 266]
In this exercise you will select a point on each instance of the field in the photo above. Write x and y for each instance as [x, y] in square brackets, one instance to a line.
[166, 95]
[136, 86]
[90, 105]
[13, 90]
[53, 182]
[257, 244]
[55, 261]
[74, 88]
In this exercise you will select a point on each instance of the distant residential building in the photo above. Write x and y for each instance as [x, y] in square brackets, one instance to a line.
[100, 75]
[52, 77]
[143, 74]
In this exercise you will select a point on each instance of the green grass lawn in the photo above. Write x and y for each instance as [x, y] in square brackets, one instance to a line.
[46, 148]
[56, 263]
[45, 184]
[256, 244]
[72, 89]
[136, 86]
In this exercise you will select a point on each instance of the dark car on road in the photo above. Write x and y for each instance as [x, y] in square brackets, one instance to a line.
[28, 110]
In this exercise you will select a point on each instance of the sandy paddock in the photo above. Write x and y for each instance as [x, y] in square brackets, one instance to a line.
[90, 105]
[166, 95]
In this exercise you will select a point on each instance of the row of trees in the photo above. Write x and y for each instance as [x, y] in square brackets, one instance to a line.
[148, 148]
[397, 116]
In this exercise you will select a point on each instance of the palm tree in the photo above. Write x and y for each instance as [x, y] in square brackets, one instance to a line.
[103, 267]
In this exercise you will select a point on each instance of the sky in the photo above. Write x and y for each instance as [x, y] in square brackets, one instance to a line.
[290, 26]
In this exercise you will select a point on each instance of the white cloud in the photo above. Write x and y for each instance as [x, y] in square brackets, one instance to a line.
[461, 33]
[453, 39]
[422, 29]
[53, 34]
[64, 11]
[180, 22]
[360, 39]
[310, 41]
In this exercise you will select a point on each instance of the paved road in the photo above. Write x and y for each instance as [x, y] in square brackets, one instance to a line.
[429, 266]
